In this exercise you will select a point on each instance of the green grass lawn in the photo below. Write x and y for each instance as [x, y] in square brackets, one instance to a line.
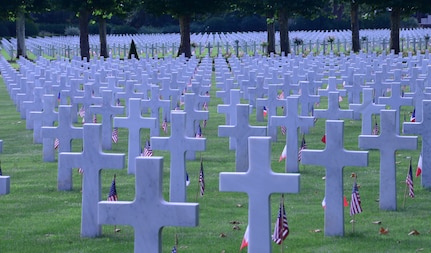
[35, 217]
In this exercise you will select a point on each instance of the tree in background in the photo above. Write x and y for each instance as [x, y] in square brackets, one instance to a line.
[262, 8]
[83, 9]
[286, 9]
[398, 9]
[184, 11]
[105, 9]
[17, 11]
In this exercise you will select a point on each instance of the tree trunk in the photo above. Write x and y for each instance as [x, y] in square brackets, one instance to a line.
[395, 29]
[102, 37]
[270, 26]
[354, 23]
[84, 43]
[20, 33]
[283, 21]
[185, 37]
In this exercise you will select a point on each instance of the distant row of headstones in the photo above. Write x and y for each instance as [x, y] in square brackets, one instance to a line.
[292, 84]
[165, 45]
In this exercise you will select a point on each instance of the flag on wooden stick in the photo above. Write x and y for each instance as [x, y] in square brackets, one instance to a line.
[201, 180]
[112, 196]
[409, 181]
[355, 203]
[281, 229]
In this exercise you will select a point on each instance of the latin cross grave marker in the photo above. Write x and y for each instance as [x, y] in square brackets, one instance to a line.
[148, 213]
[388, 142]
[92, 160]
[240, 131]
[178, 144]
[334, 211]
[134, 122]
[423, 128]
[259, 173]
[292, 121]
[65, 132]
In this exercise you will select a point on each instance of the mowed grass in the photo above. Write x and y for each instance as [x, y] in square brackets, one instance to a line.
[35, 217]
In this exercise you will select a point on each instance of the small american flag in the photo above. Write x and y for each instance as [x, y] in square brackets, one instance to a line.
[413, 116]
[118, 103]
[81, 112]
[202, 180]
[355, 203]
[113, 192]
[56, 143]
[376, 129]
[115, 135]
[58, 98]
[281, 229]
[283, 130]
[303, 146]
[148, 151]
[199, 132]
[165, 125]
[409, 182]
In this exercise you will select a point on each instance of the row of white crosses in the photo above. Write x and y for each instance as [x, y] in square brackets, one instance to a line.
[335, 166]
[166, 44]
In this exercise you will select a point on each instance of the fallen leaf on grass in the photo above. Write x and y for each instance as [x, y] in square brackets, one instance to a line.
[420, 249]
[316, 231]
[238, 205]
[377, 222]
[323, 178]
[117, 230]
[377, 200]
[383, 231]
[413, 232]
[236, 228]
[222, 235]
[352, 221]
[234, 222]
[353, 175]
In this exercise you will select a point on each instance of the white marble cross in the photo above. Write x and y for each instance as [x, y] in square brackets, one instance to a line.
[46, 117]
[194, 115]
[148, 213]
[134, 122]
[87, 100]
[178, 144]
[388, 142]
[334, 111]
[259, 182]
[292, 121]
[423, 128]
[92, 160]
[272, 102]
[367, 109]
[395, 101]
[240, 131]
[65, 132]
[108, 110]
[230, 111]
[334, 211]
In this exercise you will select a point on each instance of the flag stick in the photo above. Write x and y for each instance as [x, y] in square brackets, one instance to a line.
[80, 174]
[197, 192]
[353, 218]
[176, 241]
[282, 201]
[405, 191]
